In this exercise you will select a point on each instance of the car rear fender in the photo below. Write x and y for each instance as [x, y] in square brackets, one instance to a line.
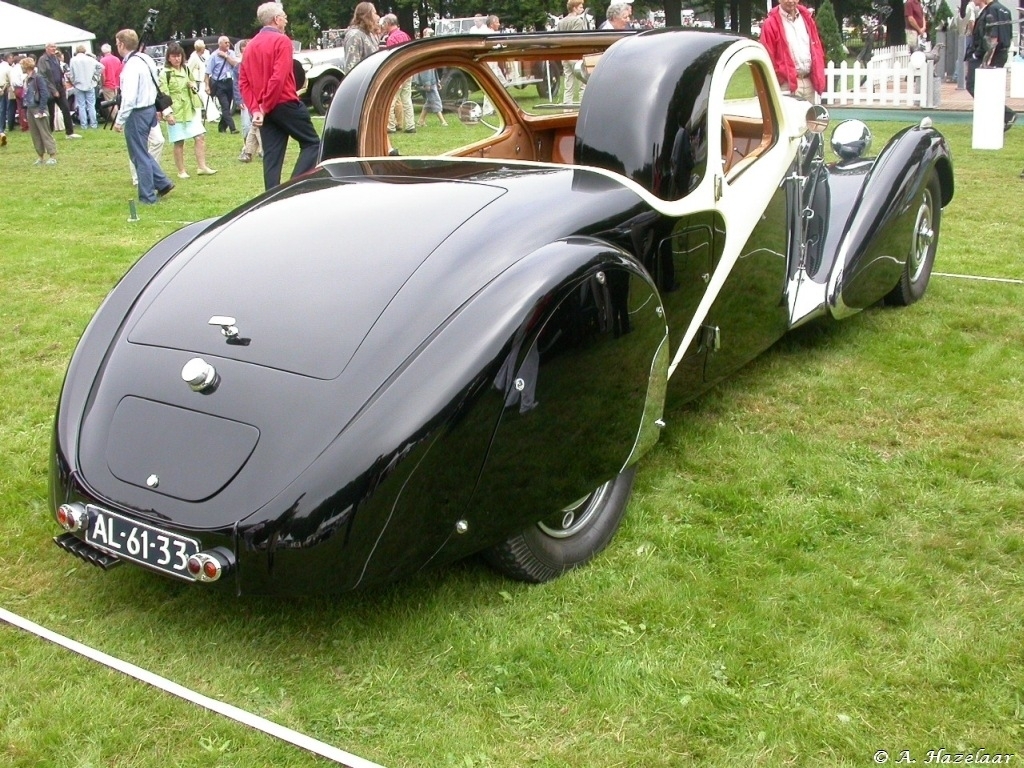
[401, 486]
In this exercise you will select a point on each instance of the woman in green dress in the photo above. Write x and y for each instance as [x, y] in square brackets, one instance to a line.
[184, 119]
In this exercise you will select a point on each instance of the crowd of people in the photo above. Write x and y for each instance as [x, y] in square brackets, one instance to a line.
[37, 95]
[259, 79]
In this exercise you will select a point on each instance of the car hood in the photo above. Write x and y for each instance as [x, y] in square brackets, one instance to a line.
[334, 283]
[320, 55]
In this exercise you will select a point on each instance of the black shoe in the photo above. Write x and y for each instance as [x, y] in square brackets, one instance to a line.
[1010, 121]
[410, 130]
[393, 153]
[165, 190]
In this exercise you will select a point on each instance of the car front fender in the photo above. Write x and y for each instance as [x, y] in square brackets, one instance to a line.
[873, 246]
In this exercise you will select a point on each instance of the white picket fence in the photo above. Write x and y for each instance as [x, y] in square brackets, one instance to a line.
[889, 79]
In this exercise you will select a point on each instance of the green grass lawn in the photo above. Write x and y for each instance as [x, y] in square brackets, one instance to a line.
[823, 557]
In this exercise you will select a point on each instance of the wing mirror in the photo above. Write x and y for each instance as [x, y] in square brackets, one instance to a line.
[817, 119]
[469, 112]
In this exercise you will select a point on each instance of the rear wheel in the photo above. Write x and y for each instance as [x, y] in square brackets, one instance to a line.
[455, 86]
[566, 539]
[548, 86]
[923, 241]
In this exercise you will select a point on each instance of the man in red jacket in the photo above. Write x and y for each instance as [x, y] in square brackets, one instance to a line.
[267, 82]
[791, 38]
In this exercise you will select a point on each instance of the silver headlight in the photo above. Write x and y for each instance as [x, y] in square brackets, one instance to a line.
[851, 139]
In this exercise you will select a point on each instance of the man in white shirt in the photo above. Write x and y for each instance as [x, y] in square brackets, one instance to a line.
[137, 116]
[966, 31]
[575, 20]
[618, 16]
[86, 74]
[15, 109]
[197, 62]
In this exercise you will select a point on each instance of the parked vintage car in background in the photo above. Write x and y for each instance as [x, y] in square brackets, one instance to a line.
[321, 73]
[469, 353]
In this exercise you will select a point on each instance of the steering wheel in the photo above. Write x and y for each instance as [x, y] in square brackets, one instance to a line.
[727, 145]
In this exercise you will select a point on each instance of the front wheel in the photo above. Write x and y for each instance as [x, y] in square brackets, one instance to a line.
[923, 241]
[566, 539]
[323, 93]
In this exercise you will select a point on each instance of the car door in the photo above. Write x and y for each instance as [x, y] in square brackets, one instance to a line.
[749, 313]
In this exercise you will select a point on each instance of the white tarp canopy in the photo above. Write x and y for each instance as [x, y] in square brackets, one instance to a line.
[23, 30]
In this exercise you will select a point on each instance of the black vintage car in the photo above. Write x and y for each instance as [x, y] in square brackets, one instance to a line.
[470, 352]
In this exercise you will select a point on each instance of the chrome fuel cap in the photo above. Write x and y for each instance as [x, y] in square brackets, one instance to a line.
[199, 374]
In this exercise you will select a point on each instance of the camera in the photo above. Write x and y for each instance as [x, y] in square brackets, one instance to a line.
[149, 24]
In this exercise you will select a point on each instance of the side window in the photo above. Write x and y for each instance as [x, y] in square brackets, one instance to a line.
[749, 125]
[535, 84]
[450, 111]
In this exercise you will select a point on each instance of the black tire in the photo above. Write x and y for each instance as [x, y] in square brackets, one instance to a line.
[923, 241]
[455, 86]
[567, 539]
[548, 87]
[323, 93]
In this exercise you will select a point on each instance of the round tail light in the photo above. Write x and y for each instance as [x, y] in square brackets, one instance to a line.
[210, 565]
[71, 517]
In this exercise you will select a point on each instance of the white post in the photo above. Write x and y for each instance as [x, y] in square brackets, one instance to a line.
[1017, 79]
[989, 101]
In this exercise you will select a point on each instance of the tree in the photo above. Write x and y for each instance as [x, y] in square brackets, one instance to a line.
[828, 30]
[939, 16]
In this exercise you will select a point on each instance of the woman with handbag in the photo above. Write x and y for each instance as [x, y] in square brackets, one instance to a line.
[184, 121]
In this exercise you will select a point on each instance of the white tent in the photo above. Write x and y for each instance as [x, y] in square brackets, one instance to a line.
[23, 30]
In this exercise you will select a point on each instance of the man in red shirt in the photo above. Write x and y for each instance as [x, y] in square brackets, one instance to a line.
[267, 82]
[393, 35]
[111, 73]
[913, 15]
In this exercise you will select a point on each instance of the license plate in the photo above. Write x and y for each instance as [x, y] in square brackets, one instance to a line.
[146, 545]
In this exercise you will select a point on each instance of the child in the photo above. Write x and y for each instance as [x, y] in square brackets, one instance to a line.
[427, 81]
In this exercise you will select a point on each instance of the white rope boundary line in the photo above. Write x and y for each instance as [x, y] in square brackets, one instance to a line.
[227, 710]
[1011, 280]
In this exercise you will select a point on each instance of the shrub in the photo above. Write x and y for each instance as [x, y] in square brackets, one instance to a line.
[828, 29]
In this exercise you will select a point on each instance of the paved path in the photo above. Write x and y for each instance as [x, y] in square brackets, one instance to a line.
[952, 99]
[954, 106]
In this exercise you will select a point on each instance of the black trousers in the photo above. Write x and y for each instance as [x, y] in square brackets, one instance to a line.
[61, 101]
[224, 92]
[290, 119]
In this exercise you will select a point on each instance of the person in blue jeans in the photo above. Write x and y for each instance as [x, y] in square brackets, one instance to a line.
[86, 74]
[138, 115]
[6, 87]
